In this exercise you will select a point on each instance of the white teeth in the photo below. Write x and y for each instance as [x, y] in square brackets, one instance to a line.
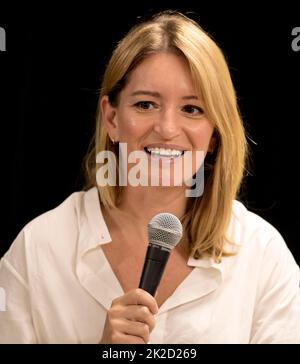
[161, 152]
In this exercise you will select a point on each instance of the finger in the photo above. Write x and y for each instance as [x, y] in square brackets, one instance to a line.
[133, 313]
[135, 328]
[140, 313]
[120, 338]
[121, 325]
[138, 297]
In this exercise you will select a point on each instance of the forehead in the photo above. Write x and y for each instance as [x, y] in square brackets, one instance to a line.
[162, 72]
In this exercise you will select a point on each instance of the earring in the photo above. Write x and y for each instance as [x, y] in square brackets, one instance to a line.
[113, 140]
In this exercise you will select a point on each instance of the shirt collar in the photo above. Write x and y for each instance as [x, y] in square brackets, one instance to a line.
[208, 263]
[94, 232]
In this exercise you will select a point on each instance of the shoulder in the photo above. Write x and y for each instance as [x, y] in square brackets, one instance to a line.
[61, 219]
[259, 242]
[54, 232]
[246, 226]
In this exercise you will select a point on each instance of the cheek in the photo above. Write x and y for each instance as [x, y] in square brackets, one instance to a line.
[131, 128]
[200, 135]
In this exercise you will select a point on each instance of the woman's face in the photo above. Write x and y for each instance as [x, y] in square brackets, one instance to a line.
[159, 113]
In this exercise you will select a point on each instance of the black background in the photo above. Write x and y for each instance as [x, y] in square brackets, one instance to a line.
[49, 80]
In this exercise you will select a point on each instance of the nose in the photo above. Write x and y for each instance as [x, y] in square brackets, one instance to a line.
[167, 125]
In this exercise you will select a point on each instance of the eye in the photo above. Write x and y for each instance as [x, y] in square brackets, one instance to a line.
[193, 110]
[145, 105]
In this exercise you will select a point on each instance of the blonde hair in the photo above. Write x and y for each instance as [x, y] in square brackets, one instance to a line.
[207, 217]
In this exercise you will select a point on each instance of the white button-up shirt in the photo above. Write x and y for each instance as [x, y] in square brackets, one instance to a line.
[59, 285]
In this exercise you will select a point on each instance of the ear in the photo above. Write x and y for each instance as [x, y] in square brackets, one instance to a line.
[109, 118]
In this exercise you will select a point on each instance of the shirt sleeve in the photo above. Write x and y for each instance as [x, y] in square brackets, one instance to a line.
[16, 324]
[277, 310]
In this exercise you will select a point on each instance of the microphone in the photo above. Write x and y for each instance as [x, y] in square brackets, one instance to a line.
[164, 233]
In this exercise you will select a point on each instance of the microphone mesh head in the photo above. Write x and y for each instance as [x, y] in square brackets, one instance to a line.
[165, 230]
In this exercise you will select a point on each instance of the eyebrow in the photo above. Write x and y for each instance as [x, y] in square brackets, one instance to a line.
[157, 94]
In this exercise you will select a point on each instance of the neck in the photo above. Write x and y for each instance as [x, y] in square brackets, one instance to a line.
[142, 203]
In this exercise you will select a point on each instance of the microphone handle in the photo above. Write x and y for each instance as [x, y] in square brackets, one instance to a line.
[155, 262]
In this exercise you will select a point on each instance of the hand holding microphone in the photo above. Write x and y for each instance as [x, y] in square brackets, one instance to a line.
[130, 319]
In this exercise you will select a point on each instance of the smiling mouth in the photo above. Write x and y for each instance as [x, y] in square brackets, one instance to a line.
[162, 152]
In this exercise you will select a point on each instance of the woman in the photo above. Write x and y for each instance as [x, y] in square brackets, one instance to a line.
[72, 274]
